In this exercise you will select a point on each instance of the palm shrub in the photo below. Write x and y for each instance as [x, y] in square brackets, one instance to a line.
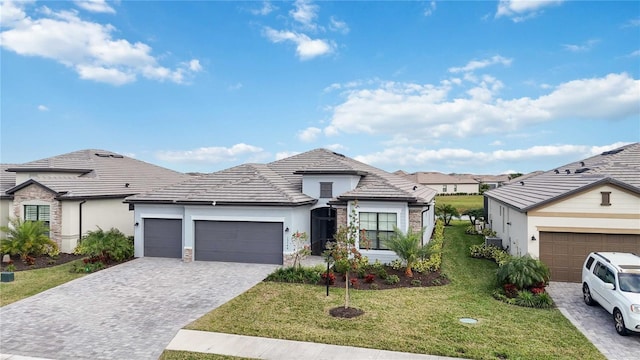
[27, 238]
[408, 247]
[446, 212]
[523, 272]
[106, 245]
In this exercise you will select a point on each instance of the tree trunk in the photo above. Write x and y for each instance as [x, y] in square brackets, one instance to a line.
[346, 290]
[408, 272]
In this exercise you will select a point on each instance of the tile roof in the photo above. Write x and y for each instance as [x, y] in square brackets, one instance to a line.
[95, 173]
[620, 167]
[7, 180]
[436, 178]
[280, 183]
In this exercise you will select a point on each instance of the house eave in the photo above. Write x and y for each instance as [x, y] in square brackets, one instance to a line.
[47, 169]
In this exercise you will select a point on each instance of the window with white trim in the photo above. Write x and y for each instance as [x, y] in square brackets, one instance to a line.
[326, 190]
[37, 213]
[378, 227]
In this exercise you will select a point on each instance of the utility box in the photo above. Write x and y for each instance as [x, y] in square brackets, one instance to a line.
[493, 241]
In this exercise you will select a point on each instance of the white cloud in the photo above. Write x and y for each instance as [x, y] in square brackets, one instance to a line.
[430, 9]
[210, 154]
[496, 143]
[235, 87]
[305, 13]
[403, 157]
[84, 46]
[480, 64]
[632, 23]
[521, 10]
[285, 154]
[634, 54]
[98, 6]
[266, 9]
[309, 134]
[586, 46]
[306, 48]
[336, 147]
[338, 26]
[422, 112]
[43, 108]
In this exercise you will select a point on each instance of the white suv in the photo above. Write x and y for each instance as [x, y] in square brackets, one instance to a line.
[613, 280]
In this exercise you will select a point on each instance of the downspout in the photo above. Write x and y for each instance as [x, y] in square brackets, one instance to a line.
[80, 220]
[422, 221]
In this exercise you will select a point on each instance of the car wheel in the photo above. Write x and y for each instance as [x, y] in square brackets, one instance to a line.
[619, 322]
[586, 295]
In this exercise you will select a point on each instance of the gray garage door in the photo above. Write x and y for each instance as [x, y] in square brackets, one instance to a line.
[163, 238]
[239, 241]
[564, 253]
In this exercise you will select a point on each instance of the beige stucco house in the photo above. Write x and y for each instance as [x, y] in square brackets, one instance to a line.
[78, 192]
[444, 184]
[563, 214]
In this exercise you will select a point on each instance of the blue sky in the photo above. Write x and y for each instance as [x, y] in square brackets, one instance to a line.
[482, 87]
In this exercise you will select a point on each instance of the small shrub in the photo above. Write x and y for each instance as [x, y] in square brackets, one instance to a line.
[361, 272]
[392, 279]
[487, 232]
[369, 278]
[29, 260]
[523, 272]
[525, 298]
[470, 230]
[354, 282]
[396, 264]
[10, 268]
[111, 245]
[381, 273]
[88, 267]
[26, 238]
[510, 290]
[295, 274]
[416, 282]
[436, 282]
[544, 301]
[332, 278]
[374, 286]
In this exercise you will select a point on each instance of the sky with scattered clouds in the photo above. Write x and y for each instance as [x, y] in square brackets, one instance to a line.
[483, 87]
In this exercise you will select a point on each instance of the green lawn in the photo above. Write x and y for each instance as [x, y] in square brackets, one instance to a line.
[31, 282]
[187, 355]
[420, 320]
[461, 202]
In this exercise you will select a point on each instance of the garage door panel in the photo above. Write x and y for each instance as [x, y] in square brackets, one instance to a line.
[237, 241]
[163, 238]
[564, 253]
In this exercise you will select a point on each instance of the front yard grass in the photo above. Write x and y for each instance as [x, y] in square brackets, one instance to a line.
[31, 282]
[418, 320]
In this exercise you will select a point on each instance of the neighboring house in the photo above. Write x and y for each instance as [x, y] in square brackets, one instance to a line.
[249, 213]
[444, 183]
[563, 214]
[492, 181]
[78, 192]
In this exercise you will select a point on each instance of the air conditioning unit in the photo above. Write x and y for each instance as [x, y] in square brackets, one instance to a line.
[493, 241]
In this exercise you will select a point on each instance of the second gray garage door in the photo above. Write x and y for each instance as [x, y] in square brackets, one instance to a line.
[238, 241]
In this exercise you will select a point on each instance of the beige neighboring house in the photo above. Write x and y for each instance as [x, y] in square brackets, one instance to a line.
[444, 183]
[78, 192]
[563, 214]
[493, 181]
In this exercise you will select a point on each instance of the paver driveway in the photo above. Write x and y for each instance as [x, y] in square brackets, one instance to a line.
[130, 311]
[594, 322]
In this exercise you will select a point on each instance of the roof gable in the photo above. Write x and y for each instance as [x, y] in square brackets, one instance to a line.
[619, 167]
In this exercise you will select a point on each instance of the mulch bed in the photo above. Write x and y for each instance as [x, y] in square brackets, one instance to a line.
[46, 261]
[42, 261]
[434, 278]
[346, 313]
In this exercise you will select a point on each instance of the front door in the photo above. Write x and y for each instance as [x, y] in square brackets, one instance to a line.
[323, 227]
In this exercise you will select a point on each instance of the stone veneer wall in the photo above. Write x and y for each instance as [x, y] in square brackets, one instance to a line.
[341, 217]
[37, 195]
[415, 219]
[188, 254]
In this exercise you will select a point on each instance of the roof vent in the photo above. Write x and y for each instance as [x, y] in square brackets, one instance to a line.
[556, 171]
[415, 187]
[611, 152]
[102, 155]
[126, 185]
[580, 171]
[568, 171]
[582, 163]
[117, 156]
[522, 183]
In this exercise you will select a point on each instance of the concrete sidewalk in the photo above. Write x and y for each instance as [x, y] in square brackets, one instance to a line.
[266, 348]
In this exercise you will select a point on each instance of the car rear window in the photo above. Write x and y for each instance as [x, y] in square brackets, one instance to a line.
[589, 263]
